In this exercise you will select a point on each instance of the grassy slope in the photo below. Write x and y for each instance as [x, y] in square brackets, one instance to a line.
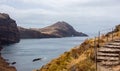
[80, 58]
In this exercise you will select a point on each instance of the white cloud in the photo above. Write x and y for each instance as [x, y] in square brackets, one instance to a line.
[46, 12]
[54, 2]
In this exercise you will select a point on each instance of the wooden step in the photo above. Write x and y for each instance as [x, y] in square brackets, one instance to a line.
[114, 52]
[107, 54]
[100, 60]
[108, 58]
[116, 40]
[102, 49]
[114, 43]
[109, 63]
[111, 46]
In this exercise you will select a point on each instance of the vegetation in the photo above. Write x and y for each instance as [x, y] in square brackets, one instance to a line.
[80, 58]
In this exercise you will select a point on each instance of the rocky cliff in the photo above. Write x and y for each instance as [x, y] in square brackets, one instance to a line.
[8, 34]
[8, 30]
[57, 30]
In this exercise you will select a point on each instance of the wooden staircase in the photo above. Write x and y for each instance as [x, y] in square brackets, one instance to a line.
[108, 56]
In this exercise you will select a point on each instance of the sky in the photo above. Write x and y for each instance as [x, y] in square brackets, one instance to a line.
[84, 15]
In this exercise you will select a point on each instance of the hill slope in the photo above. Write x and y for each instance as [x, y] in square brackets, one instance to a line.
[80, 58]
[61, 29]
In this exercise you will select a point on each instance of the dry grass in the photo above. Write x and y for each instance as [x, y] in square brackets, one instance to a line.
[80, 58]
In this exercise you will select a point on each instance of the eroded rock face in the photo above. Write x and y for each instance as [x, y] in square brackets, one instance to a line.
[8, 30]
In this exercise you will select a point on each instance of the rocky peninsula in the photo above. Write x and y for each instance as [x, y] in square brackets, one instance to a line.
[57, 30]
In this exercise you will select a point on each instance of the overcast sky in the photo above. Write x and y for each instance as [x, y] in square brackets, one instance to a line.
[84, 15]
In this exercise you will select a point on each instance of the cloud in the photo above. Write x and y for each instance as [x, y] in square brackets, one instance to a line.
[39, 13]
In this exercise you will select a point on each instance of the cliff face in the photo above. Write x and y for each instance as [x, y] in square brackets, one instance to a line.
[80, 58]
[57, 30]
[8, 30]
[8, 34]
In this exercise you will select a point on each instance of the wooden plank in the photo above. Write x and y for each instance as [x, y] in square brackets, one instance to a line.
[111, 46]
[114, 43]
[108, 58]
[108, 54]
[108, 50]
[116, 40]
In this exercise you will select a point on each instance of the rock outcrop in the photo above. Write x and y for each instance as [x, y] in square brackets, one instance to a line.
[57, 30]
[8, 30]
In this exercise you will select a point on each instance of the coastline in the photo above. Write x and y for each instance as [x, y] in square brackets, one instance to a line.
[4, 66]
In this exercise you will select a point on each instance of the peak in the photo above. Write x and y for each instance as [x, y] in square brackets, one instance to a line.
[61, 23]
[4, 16]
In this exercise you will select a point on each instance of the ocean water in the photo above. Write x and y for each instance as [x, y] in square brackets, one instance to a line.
[28, 49]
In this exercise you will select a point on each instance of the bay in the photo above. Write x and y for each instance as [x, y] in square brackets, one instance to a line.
[26, 50]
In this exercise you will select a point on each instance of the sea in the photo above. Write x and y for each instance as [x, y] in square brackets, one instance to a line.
[24, 52]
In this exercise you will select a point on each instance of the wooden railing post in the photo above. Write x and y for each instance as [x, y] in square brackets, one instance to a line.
[107, 37]
[112, 34]
[98, 39]
[95, 50]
